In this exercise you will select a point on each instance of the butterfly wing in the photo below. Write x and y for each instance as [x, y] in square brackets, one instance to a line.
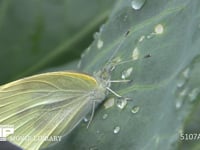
[45, 105]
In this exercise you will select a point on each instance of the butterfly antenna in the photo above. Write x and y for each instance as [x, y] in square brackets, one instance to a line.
[119, 46]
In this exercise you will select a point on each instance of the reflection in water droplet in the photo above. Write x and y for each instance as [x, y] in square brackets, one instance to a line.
[135, 109]
[193, 94]
[121, 103]
[105, 116]
[159, 29]
[141, 38]
[137, 4]
[99, 44]
[109, 103]
[126, 73]
[135, 54]
[116, 129]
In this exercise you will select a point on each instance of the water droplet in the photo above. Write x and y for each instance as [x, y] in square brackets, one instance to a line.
[193, 94]
[159, 29]
[96, 35]
[141, 38]
[135, 109]
[179, 103]
[121, 103]
[116, 129]
[137, 4]
[183, 93]
[186, 72]
[85, 119]
[135, 54]
[151, 35]
[99, 44]
[102, 28]
[109, 103]
[105, 116]
[126, 73]
[180, 83]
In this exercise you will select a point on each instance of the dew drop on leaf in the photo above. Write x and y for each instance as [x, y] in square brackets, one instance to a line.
[135, 109]
[137, 4]
[126, 73]
[116, 129]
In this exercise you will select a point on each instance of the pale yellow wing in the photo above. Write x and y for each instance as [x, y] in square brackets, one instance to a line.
[49, 104]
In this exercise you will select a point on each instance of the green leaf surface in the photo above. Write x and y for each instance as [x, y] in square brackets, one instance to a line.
[164, 88]
[36, 34]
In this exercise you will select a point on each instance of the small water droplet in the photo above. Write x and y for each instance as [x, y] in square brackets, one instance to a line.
[109, 103]
[151, 35]
[135, 109]
[121, 103]
[193, 94]
[102, 28]
[159, 29]
[126, 73]
[96, 35]
[137, 4]
[116, 129]
[135, 54]
[141, 38]
[179, 103]
[181, 83]
[85, 119]
[183, 93]
[186, 72]
[105, 116]
[99, 44]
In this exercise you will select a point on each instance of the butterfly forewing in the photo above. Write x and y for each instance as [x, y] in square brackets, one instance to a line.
[46, 105]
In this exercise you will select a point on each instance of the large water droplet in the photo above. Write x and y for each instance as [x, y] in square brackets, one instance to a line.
[116, 129]
[99, 44]
[109, 103]
[137, 4]
[121, 103]
[135, 54]
[135, 109]
[126, 73]
[159, 29]
[193, 94]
